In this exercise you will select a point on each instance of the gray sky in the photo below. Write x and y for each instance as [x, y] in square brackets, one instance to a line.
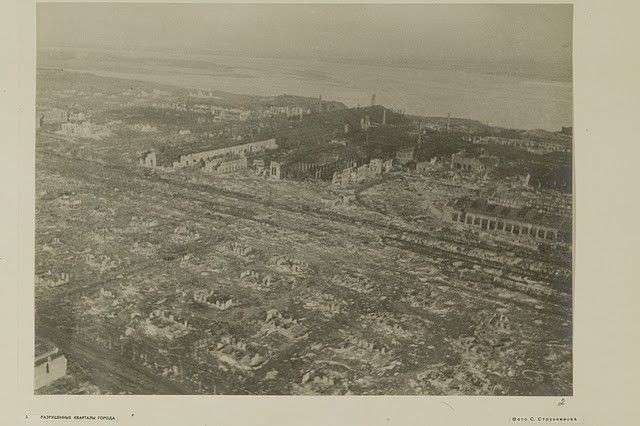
[420, 33]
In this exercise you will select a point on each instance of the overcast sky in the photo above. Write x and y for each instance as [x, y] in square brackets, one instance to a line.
[490, 33]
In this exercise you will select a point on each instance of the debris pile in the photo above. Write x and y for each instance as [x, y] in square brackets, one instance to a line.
[275, 322]
[182, 234]
[355, 281]
[160, 325]
[238, 354]
[102, 263]
[290, 265]
[254, 280]
[211, 299]
[50, 279]
[327, 304]
[240, 249]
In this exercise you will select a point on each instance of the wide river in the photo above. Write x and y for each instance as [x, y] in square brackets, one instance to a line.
[497, 99]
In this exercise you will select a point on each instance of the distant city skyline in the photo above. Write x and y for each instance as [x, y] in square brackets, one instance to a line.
[481, 36]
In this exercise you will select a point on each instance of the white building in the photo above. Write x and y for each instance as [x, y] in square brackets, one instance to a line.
[49, 364]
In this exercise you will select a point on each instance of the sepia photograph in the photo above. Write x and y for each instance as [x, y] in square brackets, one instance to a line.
[304, 199]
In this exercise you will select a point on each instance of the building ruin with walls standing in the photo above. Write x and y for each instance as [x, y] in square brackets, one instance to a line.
[425, 166]
[358, 174]
[522, 222]
[404, 156]
[241, 150]
[84, 129]
[534, 146]
[465, 162]
[225, 165]
[321, 170]
[148, 159]
[151, 158]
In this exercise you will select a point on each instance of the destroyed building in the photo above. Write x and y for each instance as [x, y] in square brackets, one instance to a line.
[324, 169]
[244, 149]
[534, 146]
[148, 159]
[404, 156]
[84, 129]
[275, 170]
[172, 159]
[357, 174]
[75, 116]
[516, 221]
[51, 115]
[465, 162]
[225, 165]
[425, 166]
[211, 299]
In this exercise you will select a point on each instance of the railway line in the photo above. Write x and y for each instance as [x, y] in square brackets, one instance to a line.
[399, 237]
[388, 231]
